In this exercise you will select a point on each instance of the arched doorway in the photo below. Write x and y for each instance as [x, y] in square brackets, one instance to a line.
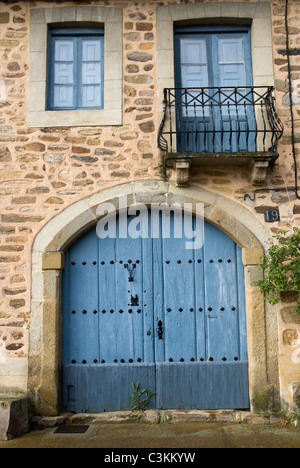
[44, 377]
[151, 310]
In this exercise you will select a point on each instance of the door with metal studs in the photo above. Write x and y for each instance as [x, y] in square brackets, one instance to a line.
[148, 310]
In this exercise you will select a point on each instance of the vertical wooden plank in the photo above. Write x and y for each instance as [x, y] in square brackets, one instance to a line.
[179, 294]
[241, 300]
[107, 300]
[83, 307]
[124, 326]
[220, 291]
[200, 301]
[130, 297]
[148, 295]
[158, 288]
[122, 321]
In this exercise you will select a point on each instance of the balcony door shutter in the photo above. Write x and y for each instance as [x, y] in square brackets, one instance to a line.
[213, 58]
[194, 65]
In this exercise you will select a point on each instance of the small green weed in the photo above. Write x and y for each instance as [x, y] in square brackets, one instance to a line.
[140, 399]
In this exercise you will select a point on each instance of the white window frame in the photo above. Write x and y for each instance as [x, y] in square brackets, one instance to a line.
[40, 20]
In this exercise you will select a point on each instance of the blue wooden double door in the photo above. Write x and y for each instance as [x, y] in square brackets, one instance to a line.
[149, 310]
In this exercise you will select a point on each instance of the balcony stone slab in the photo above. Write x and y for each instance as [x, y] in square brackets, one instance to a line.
[182, 163]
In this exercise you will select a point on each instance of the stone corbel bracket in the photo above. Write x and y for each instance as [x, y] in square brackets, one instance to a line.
[182, 172]
[260, 168]
[258, 164]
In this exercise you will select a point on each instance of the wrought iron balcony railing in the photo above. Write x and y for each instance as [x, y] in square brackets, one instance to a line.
[219, 120]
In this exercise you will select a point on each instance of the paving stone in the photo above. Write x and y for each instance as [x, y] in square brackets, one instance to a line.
[13, 417]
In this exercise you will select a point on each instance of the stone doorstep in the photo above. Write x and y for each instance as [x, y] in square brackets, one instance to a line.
[159, 417]
[14, 420]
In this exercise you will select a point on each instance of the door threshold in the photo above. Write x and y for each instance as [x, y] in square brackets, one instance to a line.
[154, 416]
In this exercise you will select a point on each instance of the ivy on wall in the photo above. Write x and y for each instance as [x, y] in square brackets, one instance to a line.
[281, 266]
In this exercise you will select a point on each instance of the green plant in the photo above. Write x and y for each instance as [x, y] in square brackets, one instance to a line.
[139, 403]
[281, 266]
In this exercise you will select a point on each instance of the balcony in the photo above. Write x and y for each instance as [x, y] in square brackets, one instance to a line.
[205, 126]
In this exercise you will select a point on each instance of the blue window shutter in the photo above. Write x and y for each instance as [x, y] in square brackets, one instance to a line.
[76, 71]
[64, 78]
[91, 72]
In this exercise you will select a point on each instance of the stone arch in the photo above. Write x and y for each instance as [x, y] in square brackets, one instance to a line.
[47, 265]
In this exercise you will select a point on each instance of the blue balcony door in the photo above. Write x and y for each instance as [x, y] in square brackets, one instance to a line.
[214, 119]
[151, 311]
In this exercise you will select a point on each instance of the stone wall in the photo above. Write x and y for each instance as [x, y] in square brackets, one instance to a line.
[289, 329]
[45, 170]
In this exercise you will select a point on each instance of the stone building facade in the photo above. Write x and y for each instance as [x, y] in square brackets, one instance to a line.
[56, 167]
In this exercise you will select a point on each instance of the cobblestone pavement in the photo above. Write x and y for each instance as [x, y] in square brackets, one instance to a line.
[174, 435]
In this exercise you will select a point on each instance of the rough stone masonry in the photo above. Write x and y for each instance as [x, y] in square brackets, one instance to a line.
[44, 170]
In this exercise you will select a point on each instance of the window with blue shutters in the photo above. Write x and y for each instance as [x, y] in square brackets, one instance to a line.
[76, 71]
[213, 62]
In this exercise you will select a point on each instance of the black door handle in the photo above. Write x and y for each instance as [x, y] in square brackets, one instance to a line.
[160, 330]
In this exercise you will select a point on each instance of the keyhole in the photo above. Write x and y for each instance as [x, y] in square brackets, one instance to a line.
[160, 330]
